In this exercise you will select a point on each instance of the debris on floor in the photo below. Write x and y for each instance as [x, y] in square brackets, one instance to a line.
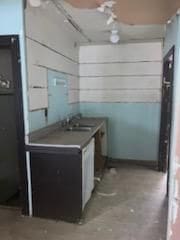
[113, 171]
[132, 210]
[128, 214]
[97, 179]
[107, 194]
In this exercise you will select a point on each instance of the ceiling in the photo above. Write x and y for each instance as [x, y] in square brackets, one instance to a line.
[136, 11]
[94, 27]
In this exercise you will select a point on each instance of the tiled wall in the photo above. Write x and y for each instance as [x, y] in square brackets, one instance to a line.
[123, 83]
[51, 52]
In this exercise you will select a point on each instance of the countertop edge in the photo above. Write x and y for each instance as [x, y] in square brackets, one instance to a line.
[67, 146]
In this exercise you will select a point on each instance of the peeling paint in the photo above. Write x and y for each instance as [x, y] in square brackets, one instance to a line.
[137, 12]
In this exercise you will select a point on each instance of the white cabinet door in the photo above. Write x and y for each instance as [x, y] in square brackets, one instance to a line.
[87, 171]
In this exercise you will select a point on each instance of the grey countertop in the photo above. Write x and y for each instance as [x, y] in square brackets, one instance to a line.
[57, 136]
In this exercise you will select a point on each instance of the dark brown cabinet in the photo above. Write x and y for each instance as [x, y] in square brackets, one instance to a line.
[62, 181]
[62, 177]
[57, 185]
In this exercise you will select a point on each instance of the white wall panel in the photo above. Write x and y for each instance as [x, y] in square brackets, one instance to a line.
[73, 82]
[40, 55]
[73, 96]
[120, 96]
[50, 46]
[47, 26]
[121, 73]
[37, 76]
[149, 82]
[121, 69]
[38, 98]
[132, 52]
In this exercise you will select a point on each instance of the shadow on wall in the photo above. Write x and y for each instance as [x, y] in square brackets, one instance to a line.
[133, 128]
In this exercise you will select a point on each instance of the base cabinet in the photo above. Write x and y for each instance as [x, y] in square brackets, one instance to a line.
[62, 182]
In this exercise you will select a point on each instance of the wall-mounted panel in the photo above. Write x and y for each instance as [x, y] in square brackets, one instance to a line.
[133, 52]
[38, 98]
[73, 82]
[46, 25]
[130, 82]
[37, 76]
[121, 69]
[39, 55]
[125, 96]
[73, 96]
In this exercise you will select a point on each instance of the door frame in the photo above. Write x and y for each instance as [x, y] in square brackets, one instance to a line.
[12, 42]
[162, 164]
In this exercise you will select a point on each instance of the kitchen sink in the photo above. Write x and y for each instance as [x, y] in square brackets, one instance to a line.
[82, 125]
[78, 129]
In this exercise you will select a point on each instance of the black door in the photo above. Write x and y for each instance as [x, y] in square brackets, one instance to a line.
[166, 111]
[9, 176]
[12, 151]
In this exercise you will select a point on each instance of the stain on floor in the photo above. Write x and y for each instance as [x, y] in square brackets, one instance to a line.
[129, 204]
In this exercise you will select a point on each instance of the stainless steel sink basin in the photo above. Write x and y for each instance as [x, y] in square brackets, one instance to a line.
[82, 125]
[78, 129]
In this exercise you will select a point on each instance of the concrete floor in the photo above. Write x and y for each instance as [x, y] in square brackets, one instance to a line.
[129, 204]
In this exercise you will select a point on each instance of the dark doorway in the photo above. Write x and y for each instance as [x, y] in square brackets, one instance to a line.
[12, 154]
[166, 111]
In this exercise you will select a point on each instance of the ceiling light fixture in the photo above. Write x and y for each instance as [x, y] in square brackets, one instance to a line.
[114, 37]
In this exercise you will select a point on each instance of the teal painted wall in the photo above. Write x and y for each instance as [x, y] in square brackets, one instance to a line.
[59, 108]
[11, 17]
[133, 128]
[12, 22]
